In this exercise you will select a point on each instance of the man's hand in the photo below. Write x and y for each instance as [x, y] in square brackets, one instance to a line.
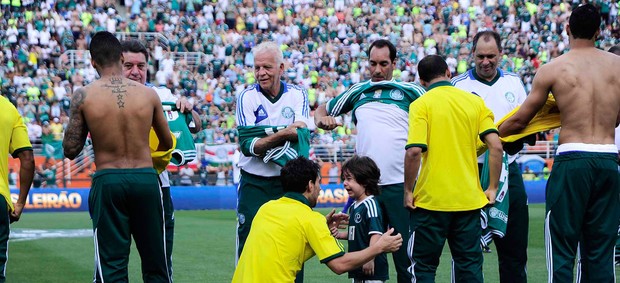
[17, 212]
[291, 130]
[328, 123]
[369, 268]
[389, 243]
[491, 193]
[408, 199]
[184, 105]
[337, 220]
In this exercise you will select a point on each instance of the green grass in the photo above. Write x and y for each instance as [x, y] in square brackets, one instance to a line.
[203, 251]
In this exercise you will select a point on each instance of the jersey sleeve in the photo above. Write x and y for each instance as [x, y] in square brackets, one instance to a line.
[375, 219]
[19, 137]
[414, 91]
[418, 126]
[324, 245]
[302, 108]
[345, 101]
[486, 122]
[245, 109]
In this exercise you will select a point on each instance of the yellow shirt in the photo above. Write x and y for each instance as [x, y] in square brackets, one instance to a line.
[285, 233]
[13, 140]
[446, 123]
[547, 118]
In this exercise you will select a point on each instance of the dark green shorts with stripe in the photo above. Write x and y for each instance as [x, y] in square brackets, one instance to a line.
[122, 203]
[583, 209]
[253, 192]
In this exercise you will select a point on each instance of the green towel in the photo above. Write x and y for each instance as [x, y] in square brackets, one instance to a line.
[495, 218]
[248, 135]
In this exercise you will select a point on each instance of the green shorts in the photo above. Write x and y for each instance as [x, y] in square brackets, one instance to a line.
[583, 207]
[122, 203]
[253, 192]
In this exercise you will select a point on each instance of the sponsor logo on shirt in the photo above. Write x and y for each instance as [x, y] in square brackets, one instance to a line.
[377, 93]
[260, 113]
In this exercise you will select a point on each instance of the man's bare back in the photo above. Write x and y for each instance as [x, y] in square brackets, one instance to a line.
[118, 113]
[585, 84]
[587, 90]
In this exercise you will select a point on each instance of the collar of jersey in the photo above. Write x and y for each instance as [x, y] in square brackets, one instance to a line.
[283, 89]
[299, 197]
[438, 84]
[381, 82]
[498, 75]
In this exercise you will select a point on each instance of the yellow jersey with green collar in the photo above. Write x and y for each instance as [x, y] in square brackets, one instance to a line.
[446, 123]
[285, 233]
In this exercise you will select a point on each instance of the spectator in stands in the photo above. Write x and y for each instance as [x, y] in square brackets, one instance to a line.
[186, 175]
[333, 173]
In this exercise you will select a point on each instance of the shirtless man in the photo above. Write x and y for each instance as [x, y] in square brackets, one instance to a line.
[582, 193]
[125, 198]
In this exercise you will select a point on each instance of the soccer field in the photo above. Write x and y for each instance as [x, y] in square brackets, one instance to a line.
[52, 247]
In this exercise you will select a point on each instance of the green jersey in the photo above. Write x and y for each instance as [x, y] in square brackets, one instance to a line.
[366, 219]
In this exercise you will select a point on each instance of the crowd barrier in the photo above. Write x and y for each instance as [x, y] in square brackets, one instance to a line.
[202, 197]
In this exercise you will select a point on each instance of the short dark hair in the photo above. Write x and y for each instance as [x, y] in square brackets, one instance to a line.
[615, 49]
[105, 49]
[486, 36]
[380, 43]
[365, 172]
[431, 67]
[135, 46]
[584, 21]
[296, 174]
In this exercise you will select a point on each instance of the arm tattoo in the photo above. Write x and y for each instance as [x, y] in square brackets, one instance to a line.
[119, 88]
[77, 130]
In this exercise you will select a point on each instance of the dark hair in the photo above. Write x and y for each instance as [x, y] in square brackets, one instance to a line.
[615, 49]
[380, 43]
[135, 46]
[105, 49]
[584, 21]
[431, 67]
[296, 174]
[365, 172]
[486, 36]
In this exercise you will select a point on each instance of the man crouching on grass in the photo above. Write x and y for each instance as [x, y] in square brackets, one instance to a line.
[287, 232]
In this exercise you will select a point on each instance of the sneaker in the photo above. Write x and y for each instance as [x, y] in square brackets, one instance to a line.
[486, 249]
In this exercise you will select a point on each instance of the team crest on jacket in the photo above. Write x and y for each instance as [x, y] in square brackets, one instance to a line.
[510, 97]
[287, 112]
[396, 94]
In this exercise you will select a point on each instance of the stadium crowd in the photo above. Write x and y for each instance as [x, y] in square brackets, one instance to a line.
[324, 45]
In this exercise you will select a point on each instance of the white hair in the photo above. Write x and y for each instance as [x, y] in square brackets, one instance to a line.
[271, 47]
